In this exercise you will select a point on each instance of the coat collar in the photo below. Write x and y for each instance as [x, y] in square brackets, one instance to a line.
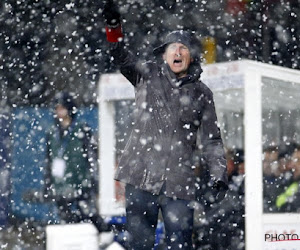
[194, 74]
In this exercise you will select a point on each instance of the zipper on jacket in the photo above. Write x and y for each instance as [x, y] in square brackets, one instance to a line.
[144, 178]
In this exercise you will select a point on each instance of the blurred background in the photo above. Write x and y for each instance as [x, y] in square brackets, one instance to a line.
[47, 46]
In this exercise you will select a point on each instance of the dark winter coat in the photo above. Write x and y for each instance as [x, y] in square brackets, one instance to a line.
[169, 112]
[79, 180]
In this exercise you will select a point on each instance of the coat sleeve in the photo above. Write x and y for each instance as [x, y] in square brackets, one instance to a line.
[213, 151]
[129, 65]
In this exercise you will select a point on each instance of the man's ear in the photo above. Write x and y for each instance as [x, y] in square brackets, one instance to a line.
[164, 56]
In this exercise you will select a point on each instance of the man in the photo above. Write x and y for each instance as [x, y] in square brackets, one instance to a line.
[159, 159]
[271, 180]
[289, 199]
[71, 166]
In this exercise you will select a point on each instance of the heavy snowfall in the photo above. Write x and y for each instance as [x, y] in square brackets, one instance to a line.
[52, 46]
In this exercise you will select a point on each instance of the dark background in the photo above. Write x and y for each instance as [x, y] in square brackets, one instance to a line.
[47, 46]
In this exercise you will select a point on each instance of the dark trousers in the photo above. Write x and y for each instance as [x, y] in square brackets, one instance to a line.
[142, 210]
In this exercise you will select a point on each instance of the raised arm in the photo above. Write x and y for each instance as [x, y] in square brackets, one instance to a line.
[121, 55]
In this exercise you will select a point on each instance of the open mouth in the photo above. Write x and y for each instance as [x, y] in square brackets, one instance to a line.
[177, 62]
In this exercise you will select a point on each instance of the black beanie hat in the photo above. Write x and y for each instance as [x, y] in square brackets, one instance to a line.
[66, 100]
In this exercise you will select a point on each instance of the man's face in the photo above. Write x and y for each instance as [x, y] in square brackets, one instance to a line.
[284, 164]
[178, 57]
[61, 111]
[270, 163]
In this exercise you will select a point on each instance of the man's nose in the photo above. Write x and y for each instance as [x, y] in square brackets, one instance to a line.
[177, 51]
